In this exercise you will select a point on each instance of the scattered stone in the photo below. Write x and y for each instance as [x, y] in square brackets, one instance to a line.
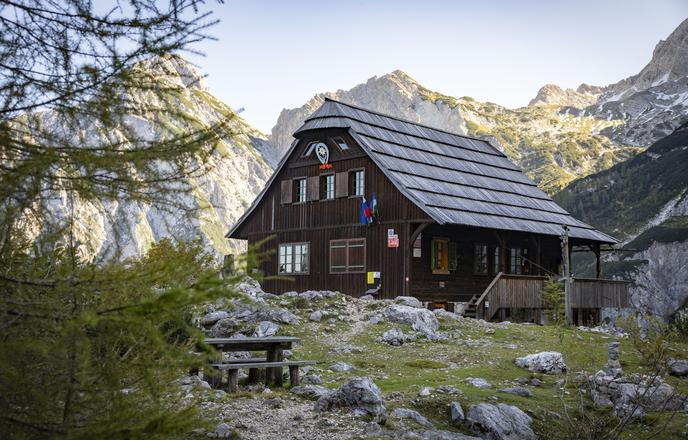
[282, 315]
[425, 391]
[212, 317]
[223, 430]
[266, 328]
[421, 320]
[519, 391]
[367, 298]
[394, 337]
[395, 395]
[360, 394]
[224, 328]
[316, 316]
[310, 391]
[678, 367]
[613, 364]
[405, 413]
[478, 382]
[311, 379]
[376, 319]
[500, 422]
[349, 349]
[341, 367]
[535, 382]
[409, 301]
[549, 362]
[445, 435]
[274, 403]
[448, 389]
[457, 415]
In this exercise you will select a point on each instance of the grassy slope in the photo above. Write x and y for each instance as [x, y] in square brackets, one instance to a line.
[408, 368]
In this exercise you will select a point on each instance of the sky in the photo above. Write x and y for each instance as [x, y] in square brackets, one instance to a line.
[271, 55]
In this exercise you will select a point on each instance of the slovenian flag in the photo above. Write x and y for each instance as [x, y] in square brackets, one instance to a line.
[364, 210]
[373, 208]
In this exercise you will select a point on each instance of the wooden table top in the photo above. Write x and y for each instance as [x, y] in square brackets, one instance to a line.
[240, 341]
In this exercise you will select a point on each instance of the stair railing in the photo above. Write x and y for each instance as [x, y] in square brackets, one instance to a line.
[483, 307]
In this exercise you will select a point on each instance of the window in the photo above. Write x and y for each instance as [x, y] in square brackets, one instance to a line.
[310, 148]
[518, 257]
[300, 190]
[496, 261]
[341, 143]
[327, 187]
[439, 256]
[480, 259]
[347, 256]
[358, 183]
[293, 258]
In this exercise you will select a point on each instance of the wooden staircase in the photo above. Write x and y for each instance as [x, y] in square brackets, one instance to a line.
[471, 308]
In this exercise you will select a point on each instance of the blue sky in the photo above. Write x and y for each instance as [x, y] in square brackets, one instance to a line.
[272, 55]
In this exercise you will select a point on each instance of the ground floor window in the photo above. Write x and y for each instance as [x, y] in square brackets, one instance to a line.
[348, 255]
[293, 258]
[496, 262]
[518, 259]
[439, 256]
[480, 259]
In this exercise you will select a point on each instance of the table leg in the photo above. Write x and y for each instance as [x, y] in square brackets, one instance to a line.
[294, 375]
[253, 375]
[233, 381]
[270, 372]
[277, 374]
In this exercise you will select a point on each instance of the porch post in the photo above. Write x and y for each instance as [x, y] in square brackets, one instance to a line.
[408, 258]
[598, 255]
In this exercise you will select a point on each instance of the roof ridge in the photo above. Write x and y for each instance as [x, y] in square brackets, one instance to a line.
[385, 115]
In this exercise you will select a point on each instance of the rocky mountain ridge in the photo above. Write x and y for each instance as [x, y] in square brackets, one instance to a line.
[237, 171]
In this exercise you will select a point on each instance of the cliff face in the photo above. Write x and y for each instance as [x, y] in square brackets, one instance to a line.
[238, 170]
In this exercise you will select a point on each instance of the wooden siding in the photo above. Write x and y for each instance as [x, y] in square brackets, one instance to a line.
[594, 294]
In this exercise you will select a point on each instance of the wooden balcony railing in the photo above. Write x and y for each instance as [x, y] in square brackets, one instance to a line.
[525, 292]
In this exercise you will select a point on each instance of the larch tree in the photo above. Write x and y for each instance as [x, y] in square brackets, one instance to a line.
[92, 349]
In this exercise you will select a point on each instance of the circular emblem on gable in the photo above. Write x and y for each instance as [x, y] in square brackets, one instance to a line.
[322, 152]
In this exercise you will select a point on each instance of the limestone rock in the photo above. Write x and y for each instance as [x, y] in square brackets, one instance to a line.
[445, 435]
[212, 317]
[457, 415]
[421, 320]
[519, 391]
[341, 367]
[405, 413]
[394, 337]
[266, 328]
[312, 379]
[678, 367]
[360, 394]
[549, 362]
[224, 328]
[409, 301]
[478, 382]
[500, 422]
[310, 391]
[316, 316]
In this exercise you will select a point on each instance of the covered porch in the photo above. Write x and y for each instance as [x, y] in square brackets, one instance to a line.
[499, 275]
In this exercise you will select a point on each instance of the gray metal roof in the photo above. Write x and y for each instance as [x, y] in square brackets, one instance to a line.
[455, 179]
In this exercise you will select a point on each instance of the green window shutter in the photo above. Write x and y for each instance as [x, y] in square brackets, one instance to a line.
[433, 254]
[453, 263]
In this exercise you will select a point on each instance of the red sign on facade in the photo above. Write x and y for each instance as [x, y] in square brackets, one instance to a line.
[393, 241]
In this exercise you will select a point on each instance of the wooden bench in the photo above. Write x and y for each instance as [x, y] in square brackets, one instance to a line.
[233, 368]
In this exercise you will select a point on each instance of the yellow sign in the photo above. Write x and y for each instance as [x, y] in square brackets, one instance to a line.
[371, 277]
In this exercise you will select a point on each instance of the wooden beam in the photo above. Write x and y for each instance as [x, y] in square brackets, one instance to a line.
[409, 254]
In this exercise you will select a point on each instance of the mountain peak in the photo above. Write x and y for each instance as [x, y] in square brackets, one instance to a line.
[552, 94]
[175, 69]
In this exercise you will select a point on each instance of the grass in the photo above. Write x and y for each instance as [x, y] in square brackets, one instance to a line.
[477, 353]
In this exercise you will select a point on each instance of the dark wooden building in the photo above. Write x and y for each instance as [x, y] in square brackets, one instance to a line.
[456, 221]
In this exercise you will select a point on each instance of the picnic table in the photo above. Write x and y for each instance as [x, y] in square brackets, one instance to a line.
[273, 362]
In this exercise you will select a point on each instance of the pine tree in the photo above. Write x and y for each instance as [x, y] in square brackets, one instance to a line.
[92, 349]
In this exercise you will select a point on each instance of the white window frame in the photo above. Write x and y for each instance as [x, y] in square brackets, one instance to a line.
[328, 193]
[301, 189]
[293, 258]
[359, 183]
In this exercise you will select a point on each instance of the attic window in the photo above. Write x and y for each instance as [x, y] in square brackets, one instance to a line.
[341, 143]
[310, 148]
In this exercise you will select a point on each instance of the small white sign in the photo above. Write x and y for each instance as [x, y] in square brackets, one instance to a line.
[416, 253]
[390, 232]
[376, 274]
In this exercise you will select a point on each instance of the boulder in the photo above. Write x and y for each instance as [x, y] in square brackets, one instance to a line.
[478, 382]
[310, 391]
[341, 367]
[223, 430]
[549, 362]
[212, 317]
[316, 316]
[445, 435]
[250, 287]
[361, 394]
[500, 422]
[280, 315]
[311, 379]
[519, 391]
[266, 328]
[457, 415]
[224, 328]
[678, 367]
[394, 337]
[421, 320]
[425, 391]
[409, 301]
[367, 298]
[405, 413]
